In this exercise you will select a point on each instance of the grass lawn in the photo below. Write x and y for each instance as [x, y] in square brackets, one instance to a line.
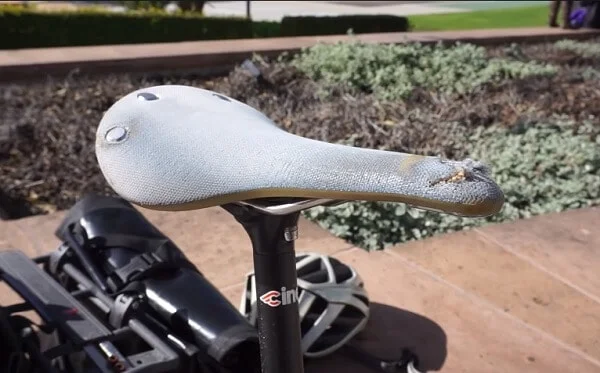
[531, 16]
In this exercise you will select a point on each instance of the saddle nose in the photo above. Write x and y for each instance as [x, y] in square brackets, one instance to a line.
[179, 148]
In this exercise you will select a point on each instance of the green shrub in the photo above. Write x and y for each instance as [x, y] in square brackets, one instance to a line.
[584, 49]
[22, 28]
[541, 168]
[143, 4]
[394, 71]
[186, 5]
[339, 25]
[590, 74]
[266, 29]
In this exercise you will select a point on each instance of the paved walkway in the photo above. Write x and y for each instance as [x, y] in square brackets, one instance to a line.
[516, 297]
[276, 10]
[221, 55]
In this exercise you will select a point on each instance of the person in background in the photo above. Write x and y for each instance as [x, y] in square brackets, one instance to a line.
[592, 13]
[567, 6]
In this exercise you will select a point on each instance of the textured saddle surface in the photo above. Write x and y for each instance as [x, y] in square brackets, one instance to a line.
[178, 147]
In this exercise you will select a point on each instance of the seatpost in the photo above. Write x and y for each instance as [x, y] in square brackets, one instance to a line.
[278, 319]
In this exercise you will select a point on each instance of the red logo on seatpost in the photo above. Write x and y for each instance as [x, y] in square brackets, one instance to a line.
[270, 298]
[274, 298]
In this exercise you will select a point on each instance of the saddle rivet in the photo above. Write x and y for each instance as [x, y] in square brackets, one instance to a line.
[291, 233]
[116, 134]
[147, 96]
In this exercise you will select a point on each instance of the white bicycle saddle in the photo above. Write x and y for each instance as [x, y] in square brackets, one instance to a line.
[179, 148]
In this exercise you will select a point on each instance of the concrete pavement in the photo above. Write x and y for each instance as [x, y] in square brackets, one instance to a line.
[514, 297]
[275, 10]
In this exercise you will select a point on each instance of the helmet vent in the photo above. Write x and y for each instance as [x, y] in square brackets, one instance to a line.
[342, 272]
[316, 310]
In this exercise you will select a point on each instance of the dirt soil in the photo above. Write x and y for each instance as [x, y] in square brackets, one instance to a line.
[47, 129]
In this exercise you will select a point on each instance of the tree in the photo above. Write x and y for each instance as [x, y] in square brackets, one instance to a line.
[185, 5]
[191, 5]
[137, 4]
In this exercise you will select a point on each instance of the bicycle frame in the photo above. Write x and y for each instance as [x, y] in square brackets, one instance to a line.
[272, 228]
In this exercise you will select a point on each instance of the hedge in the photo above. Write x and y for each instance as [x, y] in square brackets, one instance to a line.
[339, 25]
[24, 28]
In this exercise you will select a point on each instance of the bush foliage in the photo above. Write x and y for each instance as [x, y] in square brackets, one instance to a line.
[24, 28]
[340, 25]
[536, 125]
[394, 71]
[584, 49]
[542, 168]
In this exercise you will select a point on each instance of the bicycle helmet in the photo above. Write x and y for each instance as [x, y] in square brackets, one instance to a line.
[333, 304]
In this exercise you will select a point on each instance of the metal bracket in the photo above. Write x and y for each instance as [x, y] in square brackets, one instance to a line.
[286, 206]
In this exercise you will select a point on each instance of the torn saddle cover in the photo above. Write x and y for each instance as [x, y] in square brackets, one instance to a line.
[120, 241]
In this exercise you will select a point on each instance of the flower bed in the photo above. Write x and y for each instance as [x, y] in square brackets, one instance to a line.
[530, 112]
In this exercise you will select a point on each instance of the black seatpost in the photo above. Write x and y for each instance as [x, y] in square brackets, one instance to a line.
[272, 239]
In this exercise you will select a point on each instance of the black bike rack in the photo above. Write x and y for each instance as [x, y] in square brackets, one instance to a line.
[61, 311]
[89, 320]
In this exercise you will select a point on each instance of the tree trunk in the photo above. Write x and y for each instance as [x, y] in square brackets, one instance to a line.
[191, 5]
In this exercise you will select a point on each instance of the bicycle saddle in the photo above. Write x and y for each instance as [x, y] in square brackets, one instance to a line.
[180, 148]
